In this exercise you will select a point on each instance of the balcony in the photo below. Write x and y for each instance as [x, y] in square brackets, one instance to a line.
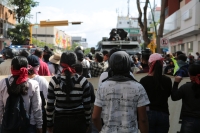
[183, 23]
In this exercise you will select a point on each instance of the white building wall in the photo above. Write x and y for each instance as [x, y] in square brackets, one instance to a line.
[182, 28]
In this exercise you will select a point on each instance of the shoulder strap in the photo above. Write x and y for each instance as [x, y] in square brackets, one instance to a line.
[7, 83]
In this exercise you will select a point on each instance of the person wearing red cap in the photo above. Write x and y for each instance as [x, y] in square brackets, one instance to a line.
[158, 88]
[190, 95]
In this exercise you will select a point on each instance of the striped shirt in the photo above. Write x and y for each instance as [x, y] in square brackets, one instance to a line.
[79, 103]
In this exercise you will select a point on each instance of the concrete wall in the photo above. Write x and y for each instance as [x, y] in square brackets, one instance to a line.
[174, 107]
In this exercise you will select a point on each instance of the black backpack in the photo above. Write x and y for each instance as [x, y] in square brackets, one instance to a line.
[15, 117]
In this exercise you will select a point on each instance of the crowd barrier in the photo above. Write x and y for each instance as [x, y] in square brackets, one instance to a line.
[174, 107]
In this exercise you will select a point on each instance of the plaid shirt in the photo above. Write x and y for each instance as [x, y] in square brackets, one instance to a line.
[97, 68]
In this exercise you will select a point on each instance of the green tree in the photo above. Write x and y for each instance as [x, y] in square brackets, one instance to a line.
[22, 8]
[21, 32]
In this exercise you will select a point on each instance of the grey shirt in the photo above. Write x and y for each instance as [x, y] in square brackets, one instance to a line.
[33, 96]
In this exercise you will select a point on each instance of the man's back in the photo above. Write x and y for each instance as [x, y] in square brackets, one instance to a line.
[119, 102]
[5, 67]
[43, 70]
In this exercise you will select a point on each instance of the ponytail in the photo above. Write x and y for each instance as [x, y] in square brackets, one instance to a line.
[157, 76]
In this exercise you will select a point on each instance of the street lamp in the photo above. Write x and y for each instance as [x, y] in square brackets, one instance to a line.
[37, 26]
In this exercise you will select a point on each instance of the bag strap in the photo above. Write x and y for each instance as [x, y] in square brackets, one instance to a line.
[7, 83]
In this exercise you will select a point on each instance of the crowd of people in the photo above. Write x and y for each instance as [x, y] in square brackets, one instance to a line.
[67, 103]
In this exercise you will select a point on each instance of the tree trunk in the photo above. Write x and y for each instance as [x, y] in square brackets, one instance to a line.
[161, 27]
[142, 25]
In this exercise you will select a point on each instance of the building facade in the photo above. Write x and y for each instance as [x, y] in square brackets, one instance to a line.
[7, 20]
[182, 26]
[131, 26]
[51, 35]
[79, 40]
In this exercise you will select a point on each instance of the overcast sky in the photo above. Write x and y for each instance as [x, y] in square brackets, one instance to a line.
[98, 16]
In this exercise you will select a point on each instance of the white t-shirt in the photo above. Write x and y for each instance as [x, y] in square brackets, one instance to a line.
[43, 83]
[119, 102]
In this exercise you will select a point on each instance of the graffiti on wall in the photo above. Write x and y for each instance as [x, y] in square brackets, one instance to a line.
[62, 40]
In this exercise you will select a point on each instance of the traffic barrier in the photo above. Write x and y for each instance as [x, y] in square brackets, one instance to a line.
[174, 107]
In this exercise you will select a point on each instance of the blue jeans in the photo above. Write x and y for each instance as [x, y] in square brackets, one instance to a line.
[158, 122]
[190, 125]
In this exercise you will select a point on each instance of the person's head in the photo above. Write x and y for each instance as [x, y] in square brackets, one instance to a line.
[34, 63]
[68, 59]
[178, 53]
[105, 55]
[92, 50]
[24, 53]
[155, 63]
[79, 48]
[19, 72]
[156, 68]
[145, 55]
[182, 57]
[39, 53]
[55, 59]
[80, 55]
[78, 68]
[113, 50]
[9, 53]
[171, 63]
[99, 57]
[135, 58]
[120, 63]
[194, 73]
[197, 53]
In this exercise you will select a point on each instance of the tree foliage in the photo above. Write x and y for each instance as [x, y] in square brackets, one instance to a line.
[42, 44]
[22, 9]
[19, 34]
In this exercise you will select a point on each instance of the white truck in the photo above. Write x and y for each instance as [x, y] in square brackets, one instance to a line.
[119, 38]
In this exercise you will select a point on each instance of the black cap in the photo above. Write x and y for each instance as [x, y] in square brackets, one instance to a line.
[33, 60]
[80, 55]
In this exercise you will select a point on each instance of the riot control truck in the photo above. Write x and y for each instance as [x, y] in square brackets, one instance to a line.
[119, 38]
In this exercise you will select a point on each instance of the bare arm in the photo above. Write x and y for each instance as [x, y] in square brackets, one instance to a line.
[96, 117]
[143, 120]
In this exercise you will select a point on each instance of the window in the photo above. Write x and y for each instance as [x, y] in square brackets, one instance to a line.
[127, 22]
[190, 47]
[120, 22]
[181, 47]
[174, 48]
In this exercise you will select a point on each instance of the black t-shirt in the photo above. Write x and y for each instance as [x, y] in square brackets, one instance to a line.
[190, 104]
[158, 97]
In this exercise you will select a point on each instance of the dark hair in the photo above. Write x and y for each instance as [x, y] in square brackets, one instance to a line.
[99, 57]
[68, 58]
[78, 68]
[113, 50]
[56, 67]
[193, 71]
[14, 89]
[105, 52]
[182, 57]
[38, 53]
[179, 53]
[24, 53]
[157, 76]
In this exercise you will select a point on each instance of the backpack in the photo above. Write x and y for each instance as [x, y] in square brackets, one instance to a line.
[15, 117]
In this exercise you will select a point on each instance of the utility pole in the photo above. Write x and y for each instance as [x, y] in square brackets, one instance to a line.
[128, 8]
[36, 26]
